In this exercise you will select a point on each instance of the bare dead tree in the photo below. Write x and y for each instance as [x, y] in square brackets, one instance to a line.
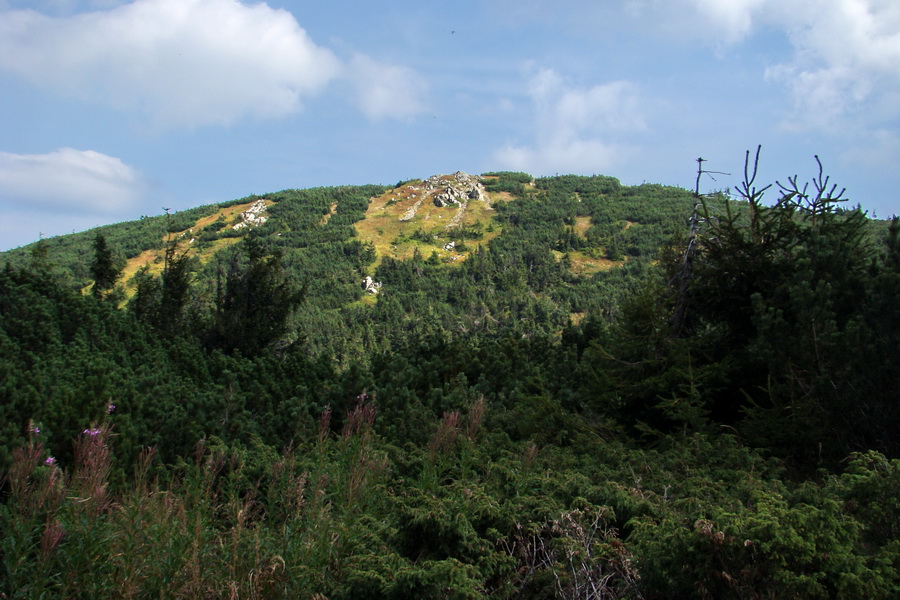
[681, 278]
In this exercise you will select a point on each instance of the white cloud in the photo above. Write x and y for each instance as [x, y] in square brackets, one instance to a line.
[846, 53]
[189, 63]
[716, 21]
[59, 6]
[846, 64]
[575, 129]
[180, 63]
[732, 19]
[843, 67]
[386, 91]
[82, 181]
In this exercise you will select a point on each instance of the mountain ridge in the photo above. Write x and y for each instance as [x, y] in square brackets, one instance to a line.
[452, 236]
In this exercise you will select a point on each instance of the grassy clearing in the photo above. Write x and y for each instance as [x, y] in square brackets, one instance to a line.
[368, 300]
[153, 258]
[327, 216]
[429, 229]
[582, 224]
[582, 264]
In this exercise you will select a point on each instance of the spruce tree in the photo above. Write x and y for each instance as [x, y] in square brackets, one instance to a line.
[103, 268]
[256, 301]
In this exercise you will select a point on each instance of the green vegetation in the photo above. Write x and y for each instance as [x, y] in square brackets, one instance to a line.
[605, 397]
[72, 254]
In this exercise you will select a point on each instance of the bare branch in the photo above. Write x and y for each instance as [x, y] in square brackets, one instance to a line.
[747, 189]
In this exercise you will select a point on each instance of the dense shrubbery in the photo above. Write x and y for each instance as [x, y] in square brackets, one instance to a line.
[469, 513]
[708, 423]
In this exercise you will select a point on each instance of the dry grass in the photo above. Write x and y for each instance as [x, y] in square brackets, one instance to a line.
[390, 236]
[582, 224]
[583, 264]
[326, 217]
[147, 258]
[368, 300]
[501, 196]
[383, 228]
[153, 258]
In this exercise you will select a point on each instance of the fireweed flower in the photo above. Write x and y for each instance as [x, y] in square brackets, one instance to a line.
[110, 408]
[91, 432]
[50, 461]
[36, 430]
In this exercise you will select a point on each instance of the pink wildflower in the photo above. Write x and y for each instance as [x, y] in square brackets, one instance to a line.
[50, 461]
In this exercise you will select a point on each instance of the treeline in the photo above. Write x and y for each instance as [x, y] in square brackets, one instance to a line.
[712, 417]
[68, 256]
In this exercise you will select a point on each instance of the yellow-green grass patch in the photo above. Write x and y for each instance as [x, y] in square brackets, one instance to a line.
[431, 225]
[582, 224]
[153, 258]
[583, 264]
[331, 210]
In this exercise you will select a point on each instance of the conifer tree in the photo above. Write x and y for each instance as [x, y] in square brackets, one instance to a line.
[777, 295]
[103, 268]
[40, 258]
[255, 302]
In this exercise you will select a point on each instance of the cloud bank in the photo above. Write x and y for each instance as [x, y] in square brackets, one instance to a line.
[575, 129]
[386, 91]
[844, 63]
[187, 63]
[78, 181]
[846, 60]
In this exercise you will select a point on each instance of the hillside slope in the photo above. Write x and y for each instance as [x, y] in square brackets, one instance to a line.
[559, 387]
[397, 222]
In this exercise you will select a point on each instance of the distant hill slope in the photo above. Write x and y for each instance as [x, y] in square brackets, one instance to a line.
[429, 216]
[497, 385]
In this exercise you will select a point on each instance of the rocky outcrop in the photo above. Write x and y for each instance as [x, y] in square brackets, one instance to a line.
[456, 189]
[409, 214]
[448, 190]
[448, 197]
[253, 216]
[371, 286]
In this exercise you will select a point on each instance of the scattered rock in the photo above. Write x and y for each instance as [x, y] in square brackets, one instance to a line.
[253, 216]
[371, 286]
[449, 190]
[458, 187]
[450, 196]
[409, 214]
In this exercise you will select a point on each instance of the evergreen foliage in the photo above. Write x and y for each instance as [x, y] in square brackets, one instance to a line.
[714, 416]
[103, 268]
[72, 254]
[253, 308]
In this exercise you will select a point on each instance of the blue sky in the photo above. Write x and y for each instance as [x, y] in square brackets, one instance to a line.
[110, 110]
